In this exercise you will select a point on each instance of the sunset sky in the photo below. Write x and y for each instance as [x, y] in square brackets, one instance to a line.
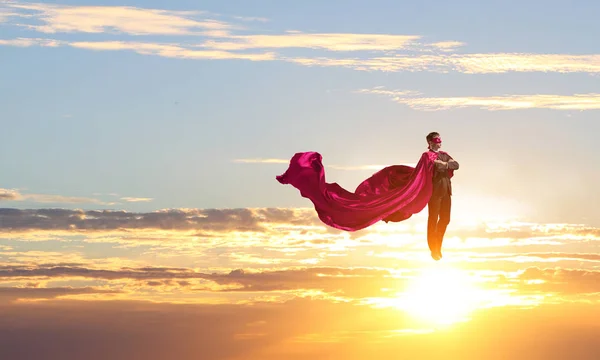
[140, 217]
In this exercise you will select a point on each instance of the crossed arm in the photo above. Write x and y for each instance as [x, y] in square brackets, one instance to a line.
[449, 165]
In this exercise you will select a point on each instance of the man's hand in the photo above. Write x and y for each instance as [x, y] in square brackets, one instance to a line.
[440, 164]
[453, 165]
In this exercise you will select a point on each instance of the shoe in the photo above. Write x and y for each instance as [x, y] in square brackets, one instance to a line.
[436, 256]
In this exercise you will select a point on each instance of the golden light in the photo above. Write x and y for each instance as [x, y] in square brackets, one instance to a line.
[440, 295]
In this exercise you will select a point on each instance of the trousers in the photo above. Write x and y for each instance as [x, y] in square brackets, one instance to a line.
[439, 217]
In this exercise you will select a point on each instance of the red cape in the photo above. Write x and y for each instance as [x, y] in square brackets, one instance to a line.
[394, 193]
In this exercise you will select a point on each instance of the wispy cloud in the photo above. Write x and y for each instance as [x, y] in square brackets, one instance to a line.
[327, 41]
[217, 39]
[251, 18]
[170, 50]
[523, 62]
[358, 167]
[5, 14]
[123, 19]
[505, 102]
[492, 63]
[262, 161]
[447, 45]
[373, 167]
[142, 48]
[15, 195]
[27, 42]
[136, 199]
[142, 21]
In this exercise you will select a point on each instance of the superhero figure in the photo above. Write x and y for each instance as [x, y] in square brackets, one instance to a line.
[440, 203]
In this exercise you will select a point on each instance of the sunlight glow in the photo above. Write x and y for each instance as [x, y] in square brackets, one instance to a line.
[440, 295]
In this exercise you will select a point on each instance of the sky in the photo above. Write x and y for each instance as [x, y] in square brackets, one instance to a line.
[139, 207]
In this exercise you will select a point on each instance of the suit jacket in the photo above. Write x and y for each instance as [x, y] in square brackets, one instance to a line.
[442, 185]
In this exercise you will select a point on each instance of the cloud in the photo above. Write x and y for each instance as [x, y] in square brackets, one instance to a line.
[262, 161]
[527, 257]
[14, 195]
[302, 224]
[169, 50]
[27, 42]
[386, 64]
[123, 19]
[328, 41]
[560, 280]
[140, 21]
[347, 281]
[173, 219]
[492, 103]
[143, 48]
[563, 256]
[6, 13]
[447, 45]
[144, 273]
[8, 294]
[6, 194]
[216, 39]
[490, 63]
[372, 167]
[522, 62]
[136, 199]
[352, 283]
[251, 18]
[356, 282]
[358, 167]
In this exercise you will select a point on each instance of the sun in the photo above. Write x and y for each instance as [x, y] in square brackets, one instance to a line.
[440, 295]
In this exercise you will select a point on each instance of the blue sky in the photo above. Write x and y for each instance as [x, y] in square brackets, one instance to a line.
[157, 119]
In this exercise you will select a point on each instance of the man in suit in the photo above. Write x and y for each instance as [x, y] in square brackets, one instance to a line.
[441, 198]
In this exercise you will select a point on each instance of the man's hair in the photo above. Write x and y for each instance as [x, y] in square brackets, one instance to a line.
[431, 135]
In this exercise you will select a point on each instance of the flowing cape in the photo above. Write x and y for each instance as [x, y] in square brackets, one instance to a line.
[394, 193]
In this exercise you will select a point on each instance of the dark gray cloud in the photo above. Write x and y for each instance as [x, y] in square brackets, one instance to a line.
[204, 221]
[177, 219]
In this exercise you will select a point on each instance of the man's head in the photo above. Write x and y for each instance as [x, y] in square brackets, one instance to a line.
[434, 140]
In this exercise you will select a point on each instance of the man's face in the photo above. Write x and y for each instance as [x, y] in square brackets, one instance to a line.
[435, 143]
